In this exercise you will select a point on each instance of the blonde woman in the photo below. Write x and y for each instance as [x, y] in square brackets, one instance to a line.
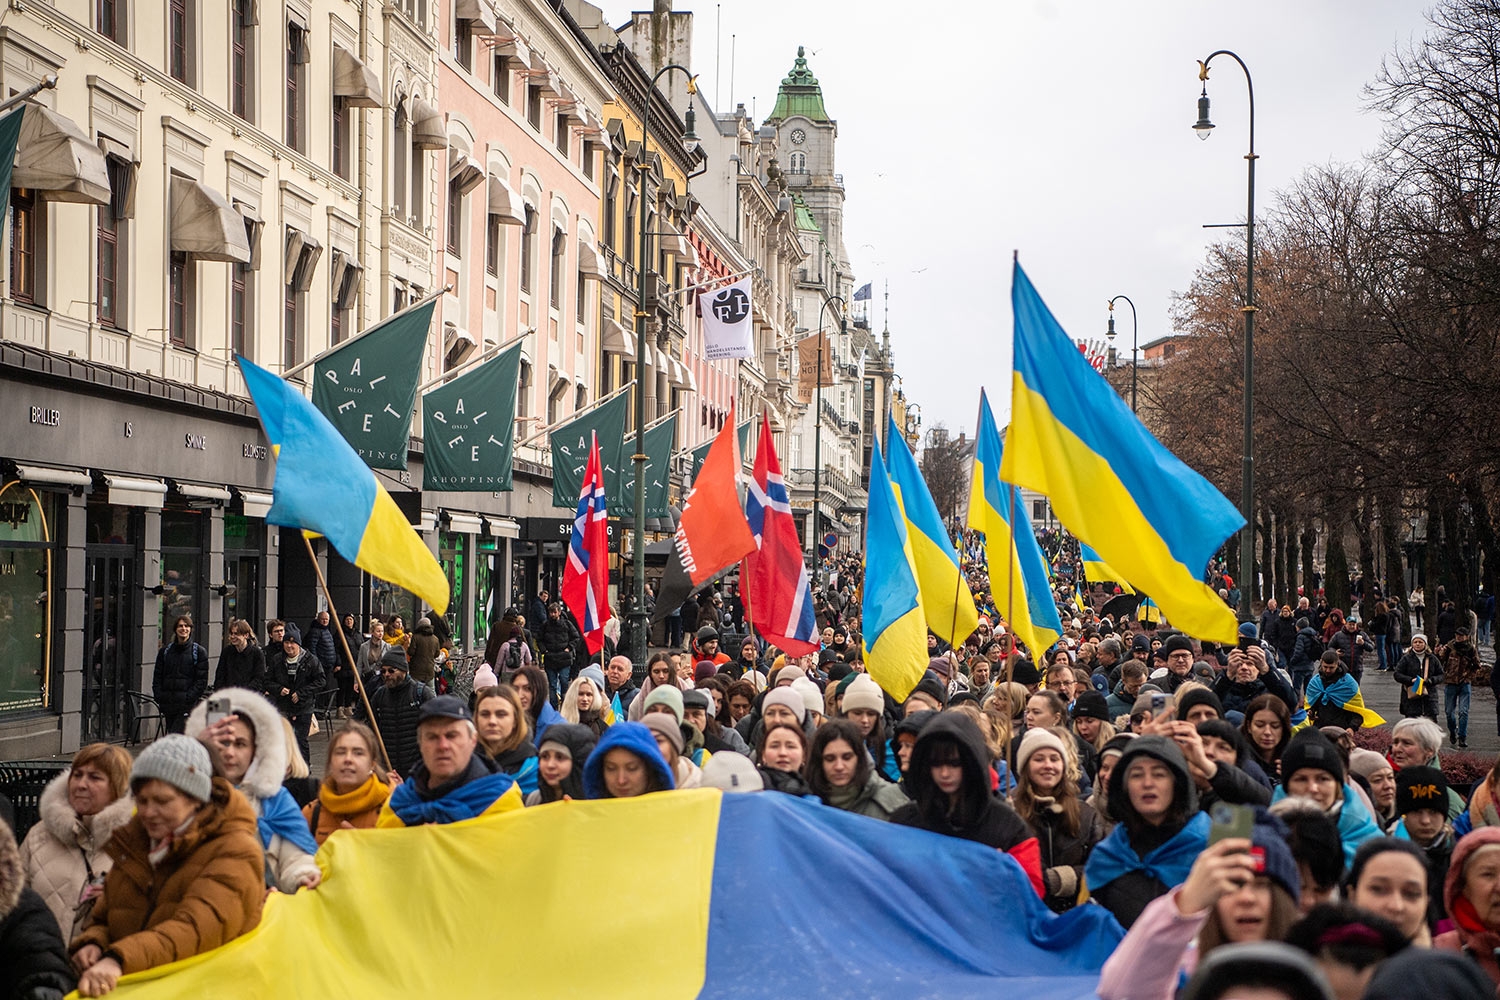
[354, 787]
[1046, 796]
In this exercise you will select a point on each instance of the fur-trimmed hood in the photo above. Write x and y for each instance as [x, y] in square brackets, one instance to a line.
[12, 876]
[60, 819]
[268, 765]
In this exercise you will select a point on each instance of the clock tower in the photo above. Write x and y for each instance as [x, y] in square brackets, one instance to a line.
[805, 139]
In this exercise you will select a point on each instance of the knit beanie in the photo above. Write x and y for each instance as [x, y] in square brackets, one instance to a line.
[864, 694]
[839, 672]
[697, 699]
[787, 673]
[704, 669]
[1140, 641]
[732, 772]
[1268, 836]
[660, 722]
[1219, 729]
[395, 656]
[1177, 643]
[595, 674]
[1199, 696]
[669, 695]
[1025, 672]
[1034, 740]
[1367, 763]
[930, 689]
[292, 633]
[787, 698]
[180, 761]
[485, 677]
[1311, 748]
[1116, 746]
[1420, 788]
[942, 666]
[812, 698]
[1091, 704]
[841, 686]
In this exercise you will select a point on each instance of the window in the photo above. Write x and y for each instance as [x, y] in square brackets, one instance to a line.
[296, 86]
[24, 222]
[180, 29]
[559, 261]
[341, 119]
[611, 196]
[109, 20]
[500, 78]
[798, 163]
[528, 249]
[629, 234]
[523, 390]
[401, 154]
[180, 300]
[560, 134]
[415, 11]
[291, 332]
[463, 42]
[455, 216]
[108, 267]
[346, 276]
[241, 60]
[587, 156]
[494, 242]
[534, 106]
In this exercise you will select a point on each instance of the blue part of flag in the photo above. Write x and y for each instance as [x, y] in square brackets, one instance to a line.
[863, 294]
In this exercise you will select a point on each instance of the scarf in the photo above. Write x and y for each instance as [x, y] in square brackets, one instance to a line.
[370, 795]
[844, 798]
[1168, 864]
[464, 798]
[278, 816]
[161, 848]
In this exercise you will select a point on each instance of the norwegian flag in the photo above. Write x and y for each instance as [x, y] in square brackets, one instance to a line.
[585, 588]
[775, 583]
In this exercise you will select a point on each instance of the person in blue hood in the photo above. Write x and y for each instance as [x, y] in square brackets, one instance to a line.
[626, 763]
[1312, 768]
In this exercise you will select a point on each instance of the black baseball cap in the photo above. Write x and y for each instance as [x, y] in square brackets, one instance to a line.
[445, 706]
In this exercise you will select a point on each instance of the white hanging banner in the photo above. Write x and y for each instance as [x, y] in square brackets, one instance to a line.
[727, 330]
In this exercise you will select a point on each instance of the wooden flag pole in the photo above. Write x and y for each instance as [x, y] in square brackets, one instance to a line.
[359, 683]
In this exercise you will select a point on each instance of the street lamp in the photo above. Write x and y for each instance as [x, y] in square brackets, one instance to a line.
[640, 621]
[1135, 330]
[818, 414]
[1204, 128]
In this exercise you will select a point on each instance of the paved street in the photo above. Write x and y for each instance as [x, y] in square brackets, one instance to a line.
[1382, 694]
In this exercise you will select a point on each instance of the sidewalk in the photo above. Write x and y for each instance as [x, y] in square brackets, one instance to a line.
[1383, 695]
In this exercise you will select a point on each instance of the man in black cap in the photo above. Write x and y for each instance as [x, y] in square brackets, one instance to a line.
[451, 782]
[397, 705]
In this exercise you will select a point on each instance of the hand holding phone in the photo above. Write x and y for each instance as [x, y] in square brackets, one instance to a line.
[218, 708]
[1228, 821]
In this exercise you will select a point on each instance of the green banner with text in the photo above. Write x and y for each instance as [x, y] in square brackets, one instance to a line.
[570, 452]
[468, 428]
[658, 468]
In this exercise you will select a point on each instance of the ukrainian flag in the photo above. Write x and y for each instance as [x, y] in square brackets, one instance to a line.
[775, 863]
[1096, 570]
[1018, 570]
[895, 630]
[1112, 484]
[324, 487]
[946, 600]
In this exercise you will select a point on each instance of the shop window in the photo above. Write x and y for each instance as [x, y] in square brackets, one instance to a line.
[182, 580]
[25, 597]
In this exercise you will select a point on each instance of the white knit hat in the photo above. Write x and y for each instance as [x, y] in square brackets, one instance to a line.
[732, 772]
[181, 762]
[785, 697]
[812, 698]
[863, 693]
[1038, 739]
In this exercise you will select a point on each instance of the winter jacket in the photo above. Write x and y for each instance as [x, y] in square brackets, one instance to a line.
[241, 668]
[1461, 664]
[1306, 650]
[359, 808]
[556, 637]
[1407, 669]
[1350, 651]
[180, 678]
[1157, 954]
[396, 710]
[992, 821]
[1470, 937]
[422, 652]
[878, 799]
[319, 641]
[1120, 702]
[302, 677]
[1447, 626]
[504, 660]
[33, 955]
[1282, 635]
[368, 656]
[1234, 785]
[1062, 853]
[1236, 696]
[65, 852]
[205, 892]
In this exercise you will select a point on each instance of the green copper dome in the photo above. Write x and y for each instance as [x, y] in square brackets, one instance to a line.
[803, 215]
[800, 94]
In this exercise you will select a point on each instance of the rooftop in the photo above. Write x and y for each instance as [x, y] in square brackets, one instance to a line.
[800, 94]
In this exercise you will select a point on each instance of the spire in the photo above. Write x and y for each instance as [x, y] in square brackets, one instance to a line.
[799, 94]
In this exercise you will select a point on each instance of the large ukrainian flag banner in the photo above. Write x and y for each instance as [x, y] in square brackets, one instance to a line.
[946, 600]
[895, 631]
[1112, 484]
[1018, 570]
[899, 912]
[1096, 570]
[323, 486]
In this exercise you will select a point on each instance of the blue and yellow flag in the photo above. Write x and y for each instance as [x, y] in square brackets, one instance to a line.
[1112, 484]
[946, 599]
[1018, 570]
[1096, 570]
[323, 486]
[983, 931]
[895, 630]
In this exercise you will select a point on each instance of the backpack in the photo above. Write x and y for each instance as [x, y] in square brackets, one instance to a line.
[512, 655]
[1315, 649]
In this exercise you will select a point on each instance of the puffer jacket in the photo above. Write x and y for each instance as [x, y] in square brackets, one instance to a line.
[319, 641]
[1064, 853]
[302, 677]
[245, 669]
[208, 889]
[396, 711]
[422, 652]
[556, 639]
[33, 957]
[65, 852]
[1412, 665]
[180, 677]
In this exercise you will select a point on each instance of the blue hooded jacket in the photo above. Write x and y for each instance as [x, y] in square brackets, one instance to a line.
[1356, 825]
[632, 736]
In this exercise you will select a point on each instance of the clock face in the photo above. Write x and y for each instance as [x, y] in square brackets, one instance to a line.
[799, 136]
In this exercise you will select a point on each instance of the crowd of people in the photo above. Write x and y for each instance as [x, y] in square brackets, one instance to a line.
[1211, 798]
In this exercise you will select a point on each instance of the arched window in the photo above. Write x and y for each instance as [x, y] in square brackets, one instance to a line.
[799, 163]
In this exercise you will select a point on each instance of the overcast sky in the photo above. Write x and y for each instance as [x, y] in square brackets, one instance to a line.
[1059, 128]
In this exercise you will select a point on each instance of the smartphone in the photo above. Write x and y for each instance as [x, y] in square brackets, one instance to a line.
[1159, 702]
[1247, 641]
[1228, 821]
[218, 708]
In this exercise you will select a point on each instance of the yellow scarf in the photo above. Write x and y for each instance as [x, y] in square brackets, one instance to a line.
[370, 795]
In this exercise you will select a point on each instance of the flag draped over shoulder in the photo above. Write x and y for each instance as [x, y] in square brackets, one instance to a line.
[368, 389]
[1096, 570]
[323, 486]
[775, 583]
[585, 586]
[1111, 483]
[1018, 570]
[469, 428]
[895, 631]
[946, 599]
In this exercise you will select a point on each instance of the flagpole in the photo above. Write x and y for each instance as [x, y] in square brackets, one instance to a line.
[959, 580]
[578, 413]
[711, 282]
[364, 333]
[359, 682]
[453, 372]
[663, 418]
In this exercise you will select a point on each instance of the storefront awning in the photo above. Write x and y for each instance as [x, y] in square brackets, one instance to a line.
[255, 504]
[617, 340]
[505, 203]
[41, 475]
[514, 49]
[590, 265]
[129, 491]
[58, 161]
[464, 524]
[205, 225]
[353, 81]
[676, 376]
[196, 491]
[689, 378]
[427, 131]
[429, 521]
[501, 527]
[478, 13]
[678, 246]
